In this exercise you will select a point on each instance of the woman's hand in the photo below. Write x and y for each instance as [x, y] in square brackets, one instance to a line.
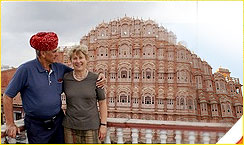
[101, 80]
[102, 132]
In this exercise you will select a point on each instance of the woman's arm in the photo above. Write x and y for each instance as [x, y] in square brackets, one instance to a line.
[103, 115]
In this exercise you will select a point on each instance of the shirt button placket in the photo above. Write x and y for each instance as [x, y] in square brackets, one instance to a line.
[49, 78]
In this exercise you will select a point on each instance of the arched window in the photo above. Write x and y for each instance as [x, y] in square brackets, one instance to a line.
[112, 75]
[160, 101]
[136, 75]
[238, 111]
[229, 110]
[124, 98]
[111, 100]
[204, 108]
[148, 51]
[222, 85]
[148, 74]
[170, 103]
[148, 100]
[125, 30]
[170, 56]
[214, 110]
[177, 101]
[223, 108]
[148, 30]
[102, 52]
[199, 82]
[182, 103]
[217, 85]
[190, 104]
[135, 101]
[123, 74]
[209, 85]
[113, 53]
[124, 51]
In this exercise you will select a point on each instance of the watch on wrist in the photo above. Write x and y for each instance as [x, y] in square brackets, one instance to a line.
[103, 124]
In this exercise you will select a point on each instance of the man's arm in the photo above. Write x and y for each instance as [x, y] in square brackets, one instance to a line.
[103, 115]
[11, 128]
[101, 80]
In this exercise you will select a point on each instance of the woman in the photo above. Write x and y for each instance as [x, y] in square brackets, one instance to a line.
[82, 123]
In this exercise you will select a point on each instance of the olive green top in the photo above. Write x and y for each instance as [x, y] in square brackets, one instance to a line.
[81, 99]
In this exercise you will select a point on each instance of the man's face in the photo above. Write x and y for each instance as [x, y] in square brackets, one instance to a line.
[50, 56]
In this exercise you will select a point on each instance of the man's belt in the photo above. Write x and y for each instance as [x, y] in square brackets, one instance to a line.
[42, 119]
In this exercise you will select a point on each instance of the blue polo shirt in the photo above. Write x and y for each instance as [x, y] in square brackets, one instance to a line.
[40, 90]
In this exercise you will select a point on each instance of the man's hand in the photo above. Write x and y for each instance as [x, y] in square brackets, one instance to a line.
[12, 130]
[101, 80]
[102, 132]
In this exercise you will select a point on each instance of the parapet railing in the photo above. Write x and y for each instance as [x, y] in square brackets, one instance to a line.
[122, 130]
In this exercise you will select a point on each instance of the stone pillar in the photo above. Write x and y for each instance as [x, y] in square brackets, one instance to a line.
[26, 140]
[163, 136]
[220, 135]
[206, 137]
[3, 140]
[178, 136]
[134, 135]
[148, 136]
[11, 140]
[120, 135]
[107, 140]
[191, 137]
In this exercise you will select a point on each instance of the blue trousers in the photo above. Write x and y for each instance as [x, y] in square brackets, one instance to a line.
[37, 133]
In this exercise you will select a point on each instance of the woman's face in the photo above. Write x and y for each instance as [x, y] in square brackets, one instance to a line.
[79, 61]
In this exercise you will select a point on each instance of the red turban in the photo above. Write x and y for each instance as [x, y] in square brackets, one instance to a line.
[44, 41]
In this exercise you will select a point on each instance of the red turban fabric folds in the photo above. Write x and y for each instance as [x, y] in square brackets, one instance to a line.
[44, 41]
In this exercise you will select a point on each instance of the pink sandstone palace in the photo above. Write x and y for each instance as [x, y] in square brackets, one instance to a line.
[151, 77]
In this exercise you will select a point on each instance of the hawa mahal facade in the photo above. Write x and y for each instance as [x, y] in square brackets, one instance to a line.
[152, 77]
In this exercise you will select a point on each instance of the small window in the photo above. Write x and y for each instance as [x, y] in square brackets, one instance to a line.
[124, 74]
[148, 100]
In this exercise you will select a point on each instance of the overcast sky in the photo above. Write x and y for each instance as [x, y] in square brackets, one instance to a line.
[213, 30]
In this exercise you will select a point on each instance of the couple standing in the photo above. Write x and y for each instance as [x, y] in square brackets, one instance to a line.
[41, 82]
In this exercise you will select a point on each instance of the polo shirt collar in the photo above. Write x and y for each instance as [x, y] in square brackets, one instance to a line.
[40, 67]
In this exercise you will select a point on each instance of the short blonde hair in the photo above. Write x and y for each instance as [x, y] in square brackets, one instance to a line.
[78, 49]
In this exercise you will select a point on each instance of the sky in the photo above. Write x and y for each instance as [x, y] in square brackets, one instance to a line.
[211, 29]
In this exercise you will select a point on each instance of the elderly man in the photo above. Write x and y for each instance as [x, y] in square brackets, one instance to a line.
[40, 83]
